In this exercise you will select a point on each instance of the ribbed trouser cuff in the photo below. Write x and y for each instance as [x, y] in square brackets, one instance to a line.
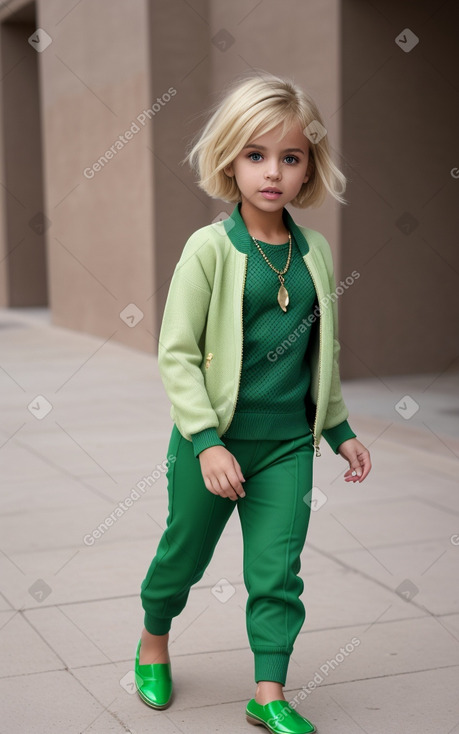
[271, 666]
[156, 625]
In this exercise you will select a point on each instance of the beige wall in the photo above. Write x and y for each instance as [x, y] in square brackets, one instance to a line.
[94, 85]
[94, 80]
[23, 276]
[179, 57]
[115, 239]
[400, 117]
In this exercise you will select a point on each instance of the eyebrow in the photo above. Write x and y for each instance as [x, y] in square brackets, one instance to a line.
[262, 147]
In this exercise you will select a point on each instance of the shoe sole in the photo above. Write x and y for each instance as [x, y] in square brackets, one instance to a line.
[259, 722]
[154, 705]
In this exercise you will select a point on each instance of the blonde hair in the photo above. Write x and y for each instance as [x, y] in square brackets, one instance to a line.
[250, 107]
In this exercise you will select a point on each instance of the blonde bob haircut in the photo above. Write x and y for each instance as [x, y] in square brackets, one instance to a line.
[250, 107]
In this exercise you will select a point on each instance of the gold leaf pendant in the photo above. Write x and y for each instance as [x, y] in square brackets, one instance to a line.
[282, 296]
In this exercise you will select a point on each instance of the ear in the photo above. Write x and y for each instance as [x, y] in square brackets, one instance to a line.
[229, 170]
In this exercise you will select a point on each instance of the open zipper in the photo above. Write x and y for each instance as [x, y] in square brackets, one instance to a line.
[316, 445]
[242, 346]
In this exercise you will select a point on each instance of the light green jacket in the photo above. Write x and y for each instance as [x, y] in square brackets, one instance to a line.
[200, 347]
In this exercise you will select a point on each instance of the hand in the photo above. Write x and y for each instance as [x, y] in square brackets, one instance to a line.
[221, 472]
[358, 457]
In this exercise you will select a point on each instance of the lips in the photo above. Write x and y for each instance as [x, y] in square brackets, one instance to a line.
[271, 190]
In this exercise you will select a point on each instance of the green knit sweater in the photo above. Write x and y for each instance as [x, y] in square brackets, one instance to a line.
[275, 375]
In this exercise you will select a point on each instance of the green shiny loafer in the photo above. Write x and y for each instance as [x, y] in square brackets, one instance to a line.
[153, 682]
[278, 717]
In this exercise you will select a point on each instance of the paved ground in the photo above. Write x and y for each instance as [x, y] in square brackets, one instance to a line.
[380, 565]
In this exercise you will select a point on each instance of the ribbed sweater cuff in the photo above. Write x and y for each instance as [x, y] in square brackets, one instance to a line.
[336, 435]
[156, 626]
[271, 666]
[205, 439]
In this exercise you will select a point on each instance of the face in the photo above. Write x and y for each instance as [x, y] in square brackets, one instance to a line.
[270, 173]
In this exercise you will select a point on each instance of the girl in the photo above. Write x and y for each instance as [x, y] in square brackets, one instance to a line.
[248, 355]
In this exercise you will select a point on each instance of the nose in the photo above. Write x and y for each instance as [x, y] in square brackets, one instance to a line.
[272, 170]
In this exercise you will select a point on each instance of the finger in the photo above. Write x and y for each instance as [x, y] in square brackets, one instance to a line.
[355, 471]
[234, 480]
[226, 488]
[235, 484]
[353, 475]
[352, 479]
[237, 477]
[221, 486]
[209, 486]
[233, 497]
[237, 469]
[216, 487]
[366, 466]
[364, 470]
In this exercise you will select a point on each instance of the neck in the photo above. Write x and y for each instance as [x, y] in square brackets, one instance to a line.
[266, 226]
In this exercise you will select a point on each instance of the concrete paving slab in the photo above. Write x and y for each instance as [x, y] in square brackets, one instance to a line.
[107, 627]
[53, 702]
[436, 395]
[32, 531]
[432, 568]
[409, 703]
[385, 649]
[70, 576]
[24, 651]
[5, 605]
[368, 525]
[116, 569]
[82, 454]
[392, 478]
[155, 487]
[342, 597]
[35, 493]
[16, 455]
[338, 696]
[195, 695]
[201, 680]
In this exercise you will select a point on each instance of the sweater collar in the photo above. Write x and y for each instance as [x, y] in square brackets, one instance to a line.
[237, 231]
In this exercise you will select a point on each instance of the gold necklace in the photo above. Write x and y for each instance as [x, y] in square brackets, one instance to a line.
[282, 295]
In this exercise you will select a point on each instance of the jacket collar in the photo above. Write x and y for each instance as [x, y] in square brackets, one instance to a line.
[237, 231]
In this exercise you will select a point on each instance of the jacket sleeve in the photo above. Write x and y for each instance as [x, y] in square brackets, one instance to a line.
[205, 439]
[336, 427]
[337, 435]
[180, 343]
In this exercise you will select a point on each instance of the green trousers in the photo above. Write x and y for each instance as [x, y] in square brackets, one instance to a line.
[274, 517]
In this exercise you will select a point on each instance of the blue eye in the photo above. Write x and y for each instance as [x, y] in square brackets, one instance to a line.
[290, 159]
